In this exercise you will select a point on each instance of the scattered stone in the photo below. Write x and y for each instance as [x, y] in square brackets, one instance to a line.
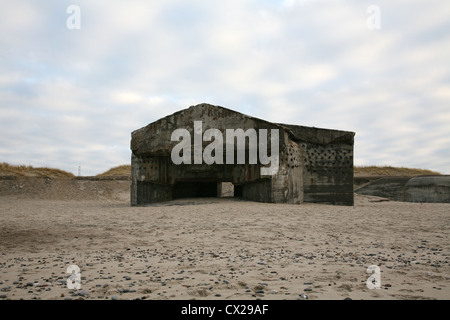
[263, 284]
[83, 293]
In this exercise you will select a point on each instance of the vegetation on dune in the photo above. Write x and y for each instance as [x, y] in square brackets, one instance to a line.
[30, 171]
[391, 171]
[123, 170]
[358, 171]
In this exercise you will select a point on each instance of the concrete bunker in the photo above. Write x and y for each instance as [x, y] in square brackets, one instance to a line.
[313, 165]
[432, 189]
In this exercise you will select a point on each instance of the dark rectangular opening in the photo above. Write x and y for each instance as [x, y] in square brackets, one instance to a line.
[194, 189]
[237, 191]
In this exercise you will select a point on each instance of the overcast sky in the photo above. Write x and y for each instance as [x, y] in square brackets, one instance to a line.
[71, 97]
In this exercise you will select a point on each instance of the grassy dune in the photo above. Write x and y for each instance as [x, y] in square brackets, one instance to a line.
[125, 170]
[7, 169]
[391, 171]
[358, 171]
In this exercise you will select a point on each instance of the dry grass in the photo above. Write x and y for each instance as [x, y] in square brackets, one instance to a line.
[358, 171]
[123, 170]
[391, 171]
[7, 169]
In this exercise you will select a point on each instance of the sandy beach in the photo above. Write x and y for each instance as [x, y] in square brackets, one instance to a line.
[215, 248]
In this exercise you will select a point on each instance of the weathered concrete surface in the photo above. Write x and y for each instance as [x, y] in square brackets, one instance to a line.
[156, 178]
[315, 165]
[155, 138]
[327, 161]
[392, 188]
[428, 189]
[319, 136]
[416, 189]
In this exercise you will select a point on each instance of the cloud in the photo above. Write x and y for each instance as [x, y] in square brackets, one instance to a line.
[72, 97]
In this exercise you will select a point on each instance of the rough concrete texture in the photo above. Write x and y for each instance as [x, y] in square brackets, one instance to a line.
[392, 188]
[428, 189]
[315, 165]
[416, 189]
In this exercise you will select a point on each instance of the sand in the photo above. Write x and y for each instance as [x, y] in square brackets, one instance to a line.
[216, 248]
